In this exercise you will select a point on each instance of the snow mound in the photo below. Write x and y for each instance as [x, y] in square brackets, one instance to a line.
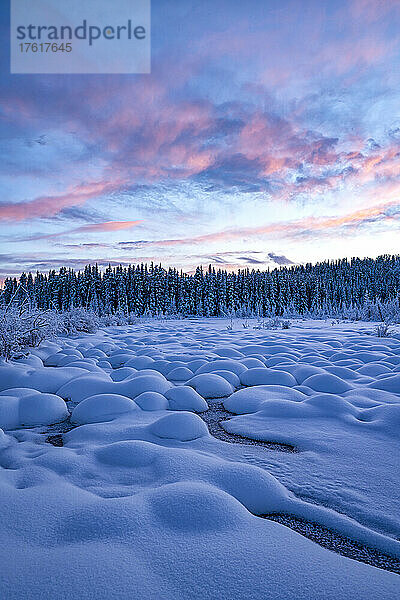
[89, 385]
[185, 398]
[183, 426]
[225, 365]
[195, 364]
[251, 399]
[259, 491]
[373, 369]
[128, 454]
[94, 353]
[162, 366]
[54, 359]
[278, 359]
[367, 357]
[391, 384]
[83, 364]
[32, 360]
[152, 401]
[264, 376]
[251, 362]
[196, 507]
[140, 362]
[384, 418]
[327, 383]
[41, 409]
[255, 349]
[229, 376]
[152, 372]
[9, 412]
[330, 405]
[19, 392]
[70, 360]
[136, 385]
[122, 373]
[102, 407]
[210, 385]
[180, 374]
[30, 409]
[343, 373]
[44, 379]
[119, 360]
[228, 352]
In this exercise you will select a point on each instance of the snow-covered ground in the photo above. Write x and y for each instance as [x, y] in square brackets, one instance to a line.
[138, 499]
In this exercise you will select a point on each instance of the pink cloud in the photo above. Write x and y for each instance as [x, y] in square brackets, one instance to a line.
[95, 227]
[289, 229]
[51, 205]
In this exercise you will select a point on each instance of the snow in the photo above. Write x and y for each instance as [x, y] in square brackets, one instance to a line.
[181, 426]
[140, 362]
[152, 401]
[327, 383]
[263, 376]
[210, 385]
[179, 374]
[41, 409]
[141, 499]
[101, 407]
[185, 398]
[233, 366]
[27, 407]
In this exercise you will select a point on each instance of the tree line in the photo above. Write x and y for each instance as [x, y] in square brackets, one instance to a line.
[324, 288]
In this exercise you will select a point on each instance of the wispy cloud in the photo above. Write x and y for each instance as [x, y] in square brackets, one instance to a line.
[93, 228]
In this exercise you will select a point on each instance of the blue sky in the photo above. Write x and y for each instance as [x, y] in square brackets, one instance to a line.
[267, 133]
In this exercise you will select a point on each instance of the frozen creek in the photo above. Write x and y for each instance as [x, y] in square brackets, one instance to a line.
[169, 441]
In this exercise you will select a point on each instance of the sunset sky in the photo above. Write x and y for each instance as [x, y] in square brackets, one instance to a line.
[267, 133]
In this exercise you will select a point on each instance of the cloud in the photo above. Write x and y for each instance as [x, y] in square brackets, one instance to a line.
[280, 259]
[45, 206]
[308, 226]
[251, 261]
[93, 228]
[230, 133]
[79, 213]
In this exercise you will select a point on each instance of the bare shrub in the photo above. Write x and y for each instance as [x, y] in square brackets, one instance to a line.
[77, 320]
[272, 323]
[21, 330]
[382, 330]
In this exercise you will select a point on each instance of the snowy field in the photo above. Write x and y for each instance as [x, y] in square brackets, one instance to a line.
[186, 460]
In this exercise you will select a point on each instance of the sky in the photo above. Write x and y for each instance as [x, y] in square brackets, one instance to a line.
[267, 134]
